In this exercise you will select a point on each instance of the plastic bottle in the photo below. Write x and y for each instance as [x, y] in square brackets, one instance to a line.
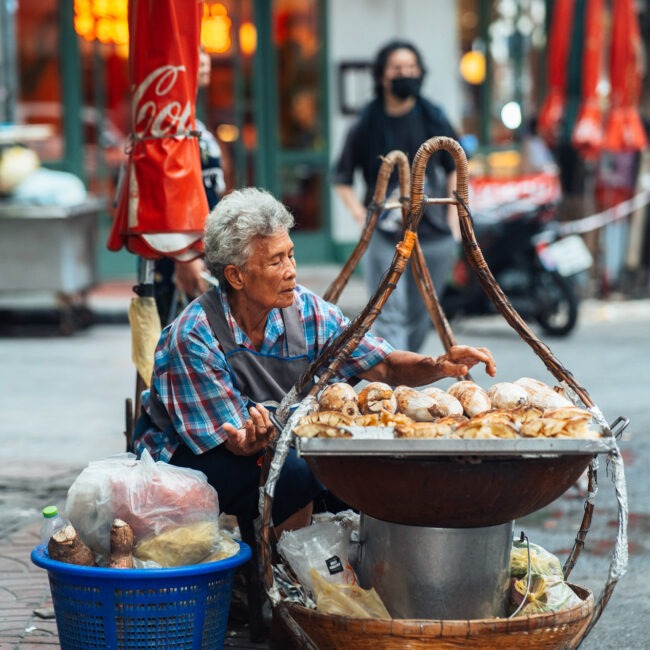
[52, 522]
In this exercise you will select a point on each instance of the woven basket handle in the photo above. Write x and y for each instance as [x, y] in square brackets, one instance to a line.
[388, 162]
[480, 267]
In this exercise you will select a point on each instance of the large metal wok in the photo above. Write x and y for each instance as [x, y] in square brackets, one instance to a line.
[449, 483]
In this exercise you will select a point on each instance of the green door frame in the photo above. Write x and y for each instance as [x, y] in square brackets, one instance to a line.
[71, 92]
[314, 247]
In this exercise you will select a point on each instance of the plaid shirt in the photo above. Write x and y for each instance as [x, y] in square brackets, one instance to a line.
[196, 384]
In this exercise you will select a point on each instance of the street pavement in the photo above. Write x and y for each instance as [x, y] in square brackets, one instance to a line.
[62, 404]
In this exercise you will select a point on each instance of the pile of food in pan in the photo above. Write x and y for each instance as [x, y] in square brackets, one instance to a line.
[525, 408]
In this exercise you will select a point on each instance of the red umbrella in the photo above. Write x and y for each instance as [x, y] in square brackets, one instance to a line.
[624, 130]
[162, 206]
[551, 112]
[587, 134]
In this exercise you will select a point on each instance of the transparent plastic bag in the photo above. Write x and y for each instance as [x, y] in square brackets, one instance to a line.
[346, 600]
[152, 497]
[545, 595]
[323, 547]
[542, 563]
[548, 591]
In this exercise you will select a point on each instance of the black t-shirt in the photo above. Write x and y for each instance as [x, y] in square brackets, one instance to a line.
[376, 133]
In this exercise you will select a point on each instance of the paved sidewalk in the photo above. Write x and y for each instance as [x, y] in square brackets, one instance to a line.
[41, 460]
[26, 610]
[24, 593]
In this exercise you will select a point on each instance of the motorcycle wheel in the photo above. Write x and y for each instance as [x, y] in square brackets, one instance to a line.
[557, 304]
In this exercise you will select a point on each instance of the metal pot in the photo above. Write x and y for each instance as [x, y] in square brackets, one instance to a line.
[436, 573]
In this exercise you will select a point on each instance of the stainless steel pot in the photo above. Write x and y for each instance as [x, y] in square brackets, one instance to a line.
[436, 573]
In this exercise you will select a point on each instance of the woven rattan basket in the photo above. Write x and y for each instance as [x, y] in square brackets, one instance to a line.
[311, 629]
[553, 630]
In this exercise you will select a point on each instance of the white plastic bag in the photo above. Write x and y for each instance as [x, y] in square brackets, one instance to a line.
[150, 496]
[323, 547]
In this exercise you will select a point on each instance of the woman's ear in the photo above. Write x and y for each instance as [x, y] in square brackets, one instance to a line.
[234, 277]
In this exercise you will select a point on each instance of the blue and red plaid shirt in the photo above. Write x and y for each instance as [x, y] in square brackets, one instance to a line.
[196, 385]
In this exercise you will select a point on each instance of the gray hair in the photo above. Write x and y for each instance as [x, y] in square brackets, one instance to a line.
[236, 220]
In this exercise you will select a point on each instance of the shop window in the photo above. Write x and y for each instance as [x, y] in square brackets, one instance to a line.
[297, 40]
[39, 74]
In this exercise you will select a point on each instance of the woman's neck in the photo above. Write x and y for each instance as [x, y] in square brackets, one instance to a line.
[249, 317]
[396, 107]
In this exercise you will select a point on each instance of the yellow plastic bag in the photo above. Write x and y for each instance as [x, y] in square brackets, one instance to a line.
[346, 600]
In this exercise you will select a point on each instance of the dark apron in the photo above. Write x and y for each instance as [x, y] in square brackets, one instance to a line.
[258, 377]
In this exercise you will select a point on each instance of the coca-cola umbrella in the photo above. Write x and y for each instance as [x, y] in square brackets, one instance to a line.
[587, 136]
[624, 130]
[161, 208]
[551, 112]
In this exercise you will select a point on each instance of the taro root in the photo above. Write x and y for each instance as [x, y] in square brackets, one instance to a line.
[541, 395]
[122, 541]
[339, 397]
[446, 404]
[415, 404]
[66, 546]
[375, 397]
[472, 397]
[507, 395]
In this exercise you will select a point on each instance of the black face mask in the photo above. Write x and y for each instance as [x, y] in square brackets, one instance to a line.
[405, 87]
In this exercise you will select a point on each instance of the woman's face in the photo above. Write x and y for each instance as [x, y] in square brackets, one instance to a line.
[269, 276]
[400, 63]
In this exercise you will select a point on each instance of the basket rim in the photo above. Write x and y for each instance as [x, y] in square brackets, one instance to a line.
[581, 610]
[40, 558]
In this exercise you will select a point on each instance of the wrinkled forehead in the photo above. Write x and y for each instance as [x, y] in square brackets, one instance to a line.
[264, 247]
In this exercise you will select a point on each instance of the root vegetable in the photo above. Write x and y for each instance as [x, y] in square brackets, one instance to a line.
[472, 397]
[66, 546]
[122, 542]
[506, 395]
[376, 397]
[339, 397]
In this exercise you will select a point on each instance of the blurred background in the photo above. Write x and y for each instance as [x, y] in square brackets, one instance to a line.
[287, 79]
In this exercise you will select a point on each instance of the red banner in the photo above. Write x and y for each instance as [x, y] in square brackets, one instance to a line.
[162, 206]
[486, 192]
[587, 134]
[624, 130]
[551, 112]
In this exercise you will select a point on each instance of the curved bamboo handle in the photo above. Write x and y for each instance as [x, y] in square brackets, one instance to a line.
[419, 264]
[484, 275]
[388, 162]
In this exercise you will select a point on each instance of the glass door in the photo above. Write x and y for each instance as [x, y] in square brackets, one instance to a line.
[290, 81]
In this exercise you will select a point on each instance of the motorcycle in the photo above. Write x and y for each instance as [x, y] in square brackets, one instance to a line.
[536, 267]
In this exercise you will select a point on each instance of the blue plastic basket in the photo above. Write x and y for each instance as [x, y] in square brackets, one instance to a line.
[128, 609]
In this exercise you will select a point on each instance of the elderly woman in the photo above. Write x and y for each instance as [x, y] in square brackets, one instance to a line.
[248, 341]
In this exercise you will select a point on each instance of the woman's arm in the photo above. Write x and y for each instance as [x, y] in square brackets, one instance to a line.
[412, 369]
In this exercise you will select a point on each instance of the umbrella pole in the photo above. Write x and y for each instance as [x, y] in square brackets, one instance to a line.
[144, 289]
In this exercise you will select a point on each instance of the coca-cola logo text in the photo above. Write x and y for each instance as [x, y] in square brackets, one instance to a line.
[154, 118]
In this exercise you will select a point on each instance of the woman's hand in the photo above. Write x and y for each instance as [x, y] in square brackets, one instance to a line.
[460, 358]
[187, 277]
[257, 434]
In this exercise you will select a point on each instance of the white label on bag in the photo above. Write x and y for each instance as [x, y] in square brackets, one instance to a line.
[334, 565]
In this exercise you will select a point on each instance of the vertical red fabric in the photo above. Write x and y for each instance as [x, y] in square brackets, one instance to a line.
[550, 115]
[624, 130]
[587, 136]
[162, 206]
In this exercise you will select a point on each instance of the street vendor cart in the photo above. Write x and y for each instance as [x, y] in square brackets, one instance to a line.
[437, 513]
